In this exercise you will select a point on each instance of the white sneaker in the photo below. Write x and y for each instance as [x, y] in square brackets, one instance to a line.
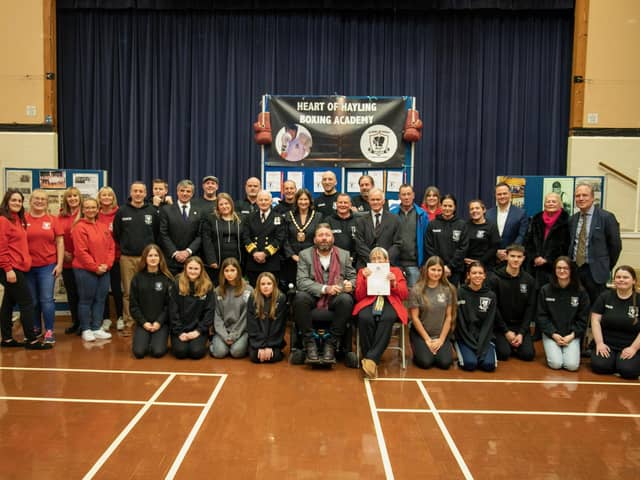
[120, 323]
[101, 335]
[88, 336]
[106, 324]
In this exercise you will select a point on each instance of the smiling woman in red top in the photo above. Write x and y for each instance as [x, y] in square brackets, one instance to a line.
[93, 256]
[15, 261]
[69, 212]
[46, 247]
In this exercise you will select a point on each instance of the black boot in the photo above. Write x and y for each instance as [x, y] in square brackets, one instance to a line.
[312, 351]
[329, 353]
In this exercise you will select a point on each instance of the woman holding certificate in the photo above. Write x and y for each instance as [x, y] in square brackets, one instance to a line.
[380, 290]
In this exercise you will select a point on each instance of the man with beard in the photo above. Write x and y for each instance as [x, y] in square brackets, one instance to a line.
[325, 280]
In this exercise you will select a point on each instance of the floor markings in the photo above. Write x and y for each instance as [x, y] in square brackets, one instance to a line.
[380, 436]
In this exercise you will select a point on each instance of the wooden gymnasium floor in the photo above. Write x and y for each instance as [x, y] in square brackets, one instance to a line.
[93, 411]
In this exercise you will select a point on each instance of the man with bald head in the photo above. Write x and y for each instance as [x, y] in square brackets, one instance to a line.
[248, 204]
[326, 202]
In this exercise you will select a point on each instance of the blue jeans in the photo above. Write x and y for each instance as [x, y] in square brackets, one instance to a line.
[412, 275]
[41, 283]
[562, 357]
[92, 293]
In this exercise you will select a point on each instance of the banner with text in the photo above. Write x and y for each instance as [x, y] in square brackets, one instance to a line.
[353, 131]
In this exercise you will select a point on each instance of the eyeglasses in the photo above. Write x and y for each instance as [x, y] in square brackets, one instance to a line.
[563, 268]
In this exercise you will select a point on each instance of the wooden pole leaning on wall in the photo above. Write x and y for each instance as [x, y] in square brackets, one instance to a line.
[50, 61]
[578, 70]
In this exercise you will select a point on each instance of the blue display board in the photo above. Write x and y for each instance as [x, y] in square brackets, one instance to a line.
[528, 191]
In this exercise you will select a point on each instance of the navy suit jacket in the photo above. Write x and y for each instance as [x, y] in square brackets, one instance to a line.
[604, 244]
[515, 228]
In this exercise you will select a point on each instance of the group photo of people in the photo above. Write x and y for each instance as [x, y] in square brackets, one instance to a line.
[206, 274]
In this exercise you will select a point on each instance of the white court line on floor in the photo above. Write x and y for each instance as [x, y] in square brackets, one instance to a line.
[194, 431]
[510, 412]
[98, 400]
[105, 456]
[386, 462]
[496, 380]
[445, 432]
[133, 372]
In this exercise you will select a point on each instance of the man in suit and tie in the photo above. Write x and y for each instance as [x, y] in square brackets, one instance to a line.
[595, 242]
[263, 235]
[377, 229]
[180, 228]
[512, 221]
[325, 280]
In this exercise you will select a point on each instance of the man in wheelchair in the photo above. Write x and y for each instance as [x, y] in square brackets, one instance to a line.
[325, 280]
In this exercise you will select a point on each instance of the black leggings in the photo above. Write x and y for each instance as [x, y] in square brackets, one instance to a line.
[17, 293]
[423, 357]
[145, 342]
[629, 369]
[525, 351]
[195, 349]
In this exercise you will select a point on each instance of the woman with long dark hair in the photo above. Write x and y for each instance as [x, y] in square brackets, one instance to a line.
[475, 319]
[230, 321]
[266, 320]
[563, 309]
[149, 299]
[446, 238]
[15, 262]
[301, 224]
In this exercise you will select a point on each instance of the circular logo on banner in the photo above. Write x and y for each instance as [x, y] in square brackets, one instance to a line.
[294, 142]
[378, 143]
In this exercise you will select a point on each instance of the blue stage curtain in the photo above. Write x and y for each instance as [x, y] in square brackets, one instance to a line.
[174, 93]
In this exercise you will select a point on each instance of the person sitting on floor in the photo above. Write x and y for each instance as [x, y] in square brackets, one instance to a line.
[474, 325]
[192, 310]
[432, 307]
[149, 298]
[266, 320]
[230, 321]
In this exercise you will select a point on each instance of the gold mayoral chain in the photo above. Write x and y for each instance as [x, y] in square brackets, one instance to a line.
[300, 236]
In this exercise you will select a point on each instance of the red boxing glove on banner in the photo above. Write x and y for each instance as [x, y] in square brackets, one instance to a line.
[262, 129]
[412, 127]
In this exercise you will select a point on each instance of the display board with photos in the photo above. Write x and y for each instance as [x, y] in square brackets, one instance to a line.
[350, 136]
[528, 191]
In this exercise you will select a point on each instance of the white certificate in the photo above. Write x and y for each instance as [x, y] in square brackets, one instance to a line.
[296, 177]
[352, 182]
[378, 178]
[273, 181]
[378, 282]
[317, 182]
[394, 180]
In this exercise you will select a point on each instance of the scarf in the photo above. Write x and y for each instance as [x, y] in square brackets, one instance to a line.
[549, 219]
[334, 275]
